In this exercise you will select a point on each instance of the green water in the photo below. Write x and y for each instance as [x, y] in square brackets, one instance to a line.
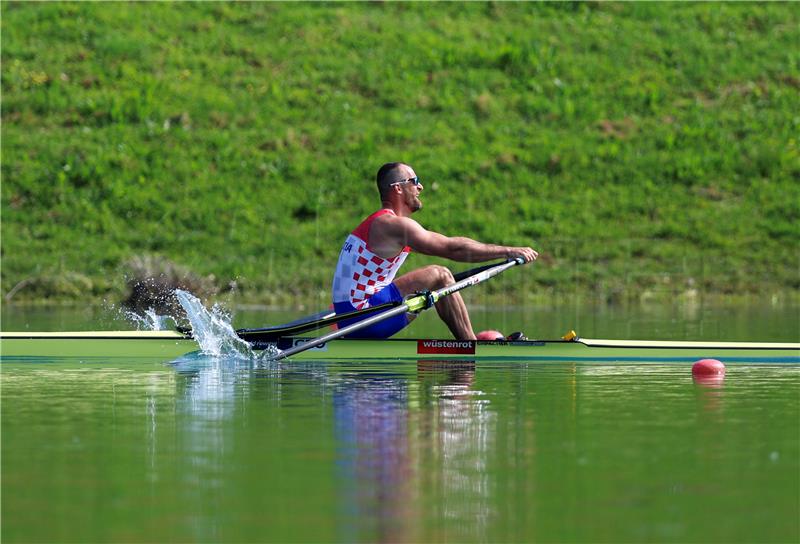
[205, 450]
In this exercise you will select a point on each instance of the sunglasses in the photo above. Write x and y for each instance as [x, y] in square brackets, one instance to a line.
[415, 180]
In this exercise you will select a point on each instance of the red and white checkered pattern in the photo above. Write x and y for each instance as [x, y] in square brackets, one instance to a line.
[359, 272]
[372, 275]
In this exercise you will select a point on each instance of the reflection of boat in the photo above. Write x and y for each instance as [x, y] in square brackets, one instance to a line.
[170, 344]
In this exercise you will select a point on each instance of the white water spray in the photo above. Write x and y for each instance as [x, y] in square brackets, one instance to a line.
[150, 321]
[212, 329]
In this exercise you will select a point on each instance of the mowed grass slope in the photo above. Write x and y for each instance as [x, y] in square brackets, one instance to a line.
[640, 147]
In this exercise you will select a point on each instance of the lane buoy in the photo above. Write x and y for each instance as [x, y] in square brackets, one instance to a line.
[490, 335]
[708, 367]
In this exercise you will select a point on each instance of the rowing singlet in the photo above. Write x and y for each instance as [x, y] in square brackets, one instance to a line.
[360, 273]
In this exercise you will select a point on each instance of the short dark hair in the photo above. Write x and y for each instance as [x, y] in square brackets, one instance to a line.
[386, 176]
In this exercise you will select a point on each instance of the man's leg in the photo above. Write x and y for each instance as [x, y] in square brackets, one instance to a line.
[451, 309]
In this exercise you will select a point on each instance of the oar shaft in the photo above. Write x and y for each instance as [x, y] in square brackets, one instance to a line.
[326, 317]
[420, 303]
[403, 308]
[310, 323]
[472, 271]
[413, 304]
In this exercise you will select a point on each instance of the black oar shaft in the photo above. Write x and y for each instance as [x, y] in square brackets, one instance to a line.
[403, 308]
[472, 271]
[310, 323]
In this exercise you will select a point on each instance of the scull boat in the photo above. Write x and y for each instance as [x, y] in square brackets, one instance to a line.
[16, 346]
[167, 345]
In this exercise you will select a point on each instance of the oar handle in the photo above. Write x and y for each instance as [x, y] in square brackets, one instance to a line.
[478, 269]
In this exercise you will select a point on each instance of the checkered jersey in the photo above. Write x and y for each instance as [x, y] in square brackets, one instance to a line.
[360, 273]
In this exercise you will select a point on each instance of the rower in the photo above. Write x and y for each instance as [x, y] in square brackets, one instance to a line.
[366, 273]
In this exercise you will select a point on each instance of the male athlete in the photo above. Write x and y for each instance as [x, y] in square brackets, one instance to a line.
[372, 255]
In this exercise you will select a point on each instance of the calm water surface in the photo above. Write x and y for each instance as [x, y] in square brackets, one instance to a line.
[207, 450]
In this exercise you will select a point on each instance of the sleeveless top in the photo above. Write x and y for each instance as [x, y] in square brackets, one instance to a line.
[360, 273]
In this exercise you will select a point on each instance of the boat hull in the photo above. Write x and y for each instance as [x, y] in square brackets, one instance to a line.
[549, 350]
[169, 345]
[133, 344]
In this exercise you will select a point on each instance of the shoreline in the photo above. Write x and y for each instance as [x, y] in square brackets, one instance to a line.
[622, 299]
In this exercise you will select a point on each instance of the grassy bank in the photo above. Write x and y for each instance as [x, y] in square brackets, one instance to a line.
[642, 148]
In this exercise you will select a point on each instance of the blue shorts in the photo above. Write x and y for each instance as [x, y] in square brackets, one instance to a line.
[382, 329]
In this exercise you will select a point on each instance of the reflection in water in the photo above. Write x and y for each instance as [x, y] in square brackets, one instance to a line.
[374, 458]
[714, 381]
[205, 405]
[460, 435]
[401, 441]
[210, 392]
[710, 394]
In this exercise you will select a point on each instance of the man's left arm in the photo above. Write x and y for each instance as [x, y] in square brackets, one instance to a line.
[459, 248]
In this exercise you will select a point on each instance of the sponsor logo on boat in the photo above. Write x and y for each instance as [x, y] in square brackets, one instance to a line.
[301, 341]
[446, 346]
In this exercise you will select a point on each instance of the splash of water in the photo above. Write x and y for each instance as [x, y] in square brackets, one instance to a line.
[212, 329]
[150, 321]
[215, 334]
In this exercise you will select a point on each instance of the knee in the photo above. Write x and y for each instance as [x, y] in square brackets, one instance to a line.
[442, 277]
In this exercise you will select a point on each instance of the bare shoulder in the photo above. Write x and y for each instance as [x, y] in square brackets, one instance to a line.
[395, 225]
[389, 234]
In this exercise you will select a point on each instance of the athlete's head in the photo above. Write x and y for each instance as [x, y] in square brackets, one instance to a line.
[398, 180]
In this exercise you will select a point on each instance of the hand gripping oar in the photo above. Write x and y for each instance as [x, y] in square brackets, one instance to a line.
[414, 303]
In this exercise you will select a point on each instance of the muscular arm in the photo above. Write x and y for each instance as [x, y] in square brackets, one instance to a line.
[456, 248]
[393, 233]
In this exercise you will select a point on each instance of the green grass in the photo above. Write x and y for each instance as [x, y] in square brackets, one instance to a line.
[640, 147]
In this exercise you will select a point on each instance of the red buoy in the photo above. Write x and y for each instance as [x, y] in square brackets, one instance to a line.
[490, 335]
[708, 367]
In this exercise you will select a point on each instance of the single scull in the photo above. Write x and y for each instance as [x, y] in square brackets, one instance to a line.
[33, 346]
[22, 346]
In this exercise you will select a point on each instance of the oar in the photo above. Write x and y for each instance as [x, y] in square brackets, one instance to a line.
[328, 317]
[415, 303]
[305, 324]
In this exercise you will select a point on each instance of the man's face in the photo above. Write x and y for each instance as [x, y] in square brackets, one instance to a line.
[410, 190]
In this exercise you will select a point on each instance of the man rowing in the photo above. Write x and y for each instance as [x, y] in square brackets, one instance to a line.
[366, 274]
